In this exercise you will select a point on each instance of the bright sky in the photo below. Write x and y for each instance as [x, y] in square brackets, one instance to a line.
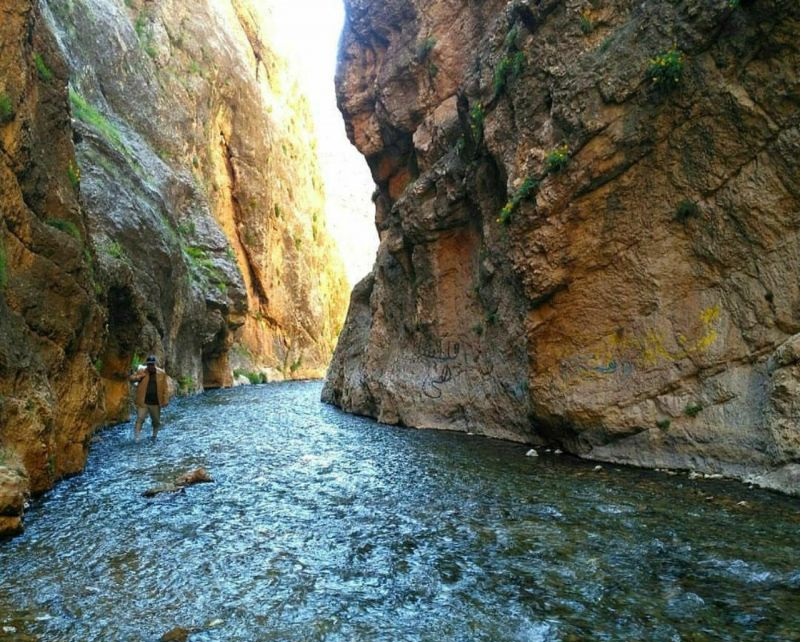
[308, 32]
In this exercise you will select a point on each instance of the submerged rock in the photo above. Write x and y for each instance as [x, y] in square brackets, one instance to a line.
[190, 478]
[178, 634]
[196, 476]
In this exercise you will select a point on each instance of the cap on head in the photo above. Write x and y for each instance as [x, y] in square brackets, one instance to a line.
[151, 359]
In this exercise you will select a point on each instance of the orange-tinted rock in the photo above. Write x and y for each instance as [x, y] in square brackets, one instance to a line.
[623, 256]
[51, 326]
[14, 491]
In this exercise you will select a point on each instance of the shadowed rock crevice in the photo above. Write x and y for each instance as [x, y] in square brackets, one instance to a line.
[124, 327]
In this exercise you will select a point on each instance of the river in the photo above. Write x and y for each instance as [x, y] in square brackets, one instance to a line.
[326, 526]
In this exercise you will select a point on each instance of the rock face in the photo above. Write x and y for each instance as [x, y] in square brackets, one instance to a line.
[13, 495]
[51, 325]
[201, 187]
[160, 194]
[589, 227]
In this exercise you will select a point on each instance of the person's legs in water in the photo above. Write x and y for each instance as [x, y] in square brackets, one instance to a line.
[141, 413]
[155, 418]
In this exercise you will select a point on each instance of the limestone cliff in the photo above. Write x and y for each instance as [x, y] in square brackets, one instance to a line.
[589, 226]
[51, 326]
[159, 192]
[202, 189]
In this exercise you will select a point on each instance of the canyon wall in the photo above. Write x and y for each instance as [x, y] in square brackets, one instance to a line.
[588, 215]
[51, 323]
[202, 187]
[160, 194]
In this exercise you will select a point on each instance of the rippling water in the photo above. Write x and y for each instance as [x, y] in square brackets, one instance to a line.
[324, 526]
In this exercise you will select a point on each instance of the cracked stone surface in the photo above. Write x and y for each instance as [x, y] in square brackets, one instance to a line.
[636, 300]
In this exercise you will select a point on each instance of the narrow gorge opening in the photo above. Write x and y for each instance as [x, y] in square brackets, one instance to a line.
[348, 184]
[177, 183]
[334, 204]
[224, 144]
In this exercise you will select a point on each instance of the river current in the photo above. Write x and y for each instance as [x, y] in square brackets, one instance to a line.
[325, 526]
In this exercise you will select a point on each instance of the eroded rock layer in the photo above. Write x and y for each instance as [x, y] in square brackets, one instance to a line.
[51, 325]
[589, 227]
[160, 194]
[201, 185]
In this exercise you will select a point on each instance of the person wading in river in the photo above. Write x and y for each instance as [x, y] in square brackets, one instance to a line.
[151, 395]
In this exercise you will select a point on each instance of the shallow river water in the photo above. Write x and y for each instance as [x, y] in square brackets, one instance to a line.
[325, 526]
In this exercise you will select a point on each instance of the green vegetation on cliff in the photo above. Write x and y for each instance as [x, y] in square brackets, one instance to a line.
[45, 73]
[68, 227]
[3, 266]
[526, 191]
[91, 116]
[557, 159]
[6, 109]
[665, 69]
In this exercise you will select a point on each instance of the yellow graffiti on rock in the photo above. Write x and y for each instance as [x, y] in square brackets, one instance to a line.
[625, 353]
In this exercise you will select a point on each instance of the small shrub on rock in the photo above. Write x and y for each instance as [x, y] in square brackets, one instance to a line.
[509, 69]
[67, 227]
[74, 174]
[687, 209]
[186, 384]
[86, 113]
[477, 121]
[140, 26]
[6, 108]
[692, 409]
[510, 41]
[557, 159]
[45, 73]
[585, 23]
[113, 249]
[506, 213]
[665, 69]
[425, 47]
[526, 191]
[255, 378]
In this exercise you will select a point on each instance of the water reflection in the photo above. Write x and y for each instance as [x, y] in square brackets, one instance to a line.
[324, 526]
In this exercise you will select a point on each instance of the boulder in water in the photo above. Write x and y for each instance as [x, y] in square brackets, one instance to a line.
[190, 478]
[178, 634]
[196, 476]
